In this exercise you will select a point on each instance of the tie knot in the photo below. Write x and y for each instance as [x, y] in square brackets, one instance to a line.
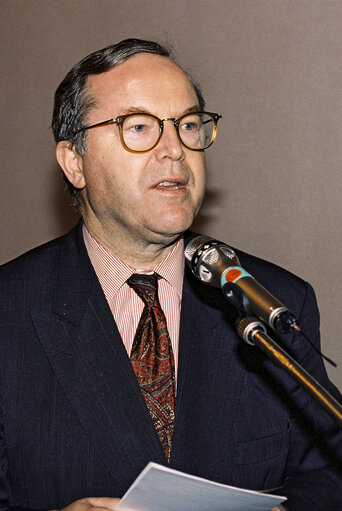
[146, 287]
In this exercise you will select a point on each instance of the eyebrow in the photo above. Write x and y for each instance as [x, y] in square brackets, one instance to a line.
[195, 108]
[141, 110]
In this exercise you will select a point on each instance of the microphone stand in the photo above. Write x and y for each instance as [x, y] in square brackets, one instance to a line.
[253, 331]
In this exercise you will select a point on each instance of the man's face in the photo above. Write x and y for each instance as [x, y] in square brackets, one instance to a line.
[148, 197]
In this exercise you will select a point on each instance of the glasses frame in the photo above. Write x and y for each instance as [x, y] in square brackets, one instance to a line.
[175, 121]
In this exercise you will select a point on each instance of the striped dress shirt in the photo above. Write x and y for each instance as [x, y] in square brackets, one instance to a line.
[123, 301]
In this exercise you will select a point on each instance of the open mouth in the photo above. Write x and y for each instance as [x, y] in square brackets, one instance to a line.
[170, 185]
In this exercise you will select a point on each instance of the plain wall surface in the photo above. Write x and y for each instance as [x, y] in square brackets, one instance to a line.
[272, 68]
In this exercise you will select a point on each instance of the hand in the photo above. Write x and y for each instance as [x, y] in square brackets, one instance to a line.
[93, 504]
[278, 508]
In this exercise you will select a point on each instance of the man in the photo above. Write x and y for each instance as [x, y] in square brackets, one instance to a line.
[76, 426]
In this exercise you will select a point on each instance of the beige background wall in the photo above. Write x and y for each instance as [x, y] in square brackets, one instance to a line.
[273, 68]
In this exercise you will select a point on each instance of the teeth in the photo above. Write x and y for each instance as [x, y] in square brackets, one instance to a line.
[169, 184]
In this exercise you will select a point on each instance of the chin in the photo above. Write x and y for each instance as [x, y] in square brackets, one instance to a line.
[170, 223]
[172, 229]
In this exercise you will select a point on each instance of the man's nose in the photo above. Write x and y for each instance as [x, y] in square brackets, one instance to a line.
[170, 144]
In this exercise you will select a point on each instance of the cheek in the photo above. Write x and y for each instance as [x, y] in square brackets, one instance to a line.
[103, 166]
[199, 172]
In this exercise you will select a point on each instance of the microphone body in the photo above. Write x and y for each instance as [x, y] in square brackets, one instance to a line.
[216, 264]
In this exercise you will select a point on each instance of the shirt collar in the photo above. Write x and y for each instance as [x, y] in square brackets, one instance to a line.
[113, 273]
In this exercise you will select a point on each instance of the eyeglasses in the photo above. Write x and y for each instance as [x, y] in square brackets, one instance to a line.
[141, 132]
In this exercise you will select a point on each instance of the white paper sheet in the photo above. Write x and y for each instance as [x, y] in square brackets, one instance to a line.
[159, 488]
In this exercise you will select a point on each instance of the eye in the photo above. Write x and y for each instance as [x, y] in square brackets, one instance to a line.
[139, 124]
[138, 128]
[191, 123]
[189, 126]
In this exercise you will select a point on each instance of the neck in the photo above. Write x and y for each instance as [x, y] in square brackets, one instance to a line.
[137, 253]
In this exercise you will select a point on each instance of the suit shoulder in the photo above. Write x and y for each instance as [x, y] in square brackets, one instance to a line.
[262, 267]
[289, 288]
[37, 260]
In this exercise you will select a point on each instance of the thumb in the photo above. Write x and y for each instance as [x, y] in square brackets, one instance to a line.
[104, 502]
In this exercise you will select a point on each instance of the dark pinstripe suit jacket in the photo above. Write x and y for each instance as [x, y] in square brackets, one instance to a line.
[73, 420]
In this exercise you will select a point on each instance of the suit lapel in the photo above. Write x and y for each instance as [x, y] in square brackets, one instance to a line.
[87, 356]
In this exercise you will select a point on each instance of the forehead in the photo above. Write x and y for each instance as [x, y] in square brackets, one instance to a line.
[143, 80]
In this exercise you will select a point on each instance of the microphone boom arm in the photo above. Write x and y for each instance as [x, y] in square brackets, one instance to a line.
[253, 331]
[215, 263]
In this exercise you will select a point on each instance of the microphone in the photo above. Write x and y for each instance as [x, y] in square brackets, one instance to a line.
[215, 263]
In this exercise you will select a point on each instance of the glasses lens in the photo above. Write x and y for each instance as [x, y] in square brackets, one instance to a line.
[197, 130]
[140, 132]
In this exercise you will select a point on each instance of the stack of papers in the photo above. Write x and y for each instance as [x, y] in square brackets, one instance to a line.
[160, 488]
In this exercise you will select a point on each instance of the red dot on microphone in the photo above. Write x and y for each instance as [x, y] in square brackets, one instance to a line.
[232, 275]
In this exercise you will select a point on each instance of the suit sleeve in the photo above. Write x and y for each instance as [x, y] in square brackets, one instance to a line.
[5, 488]
[4, 485]
[313, 478]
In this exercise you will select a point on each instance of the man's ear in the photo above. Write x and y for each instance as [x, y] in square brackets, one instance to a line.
[71, 163]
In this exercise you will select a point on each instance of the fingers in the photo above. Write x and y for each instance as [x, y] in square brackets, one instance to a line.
[93, 504]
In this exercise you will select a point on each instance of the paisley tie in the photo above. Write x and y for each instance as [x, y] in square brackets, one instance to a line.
[152, 359]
